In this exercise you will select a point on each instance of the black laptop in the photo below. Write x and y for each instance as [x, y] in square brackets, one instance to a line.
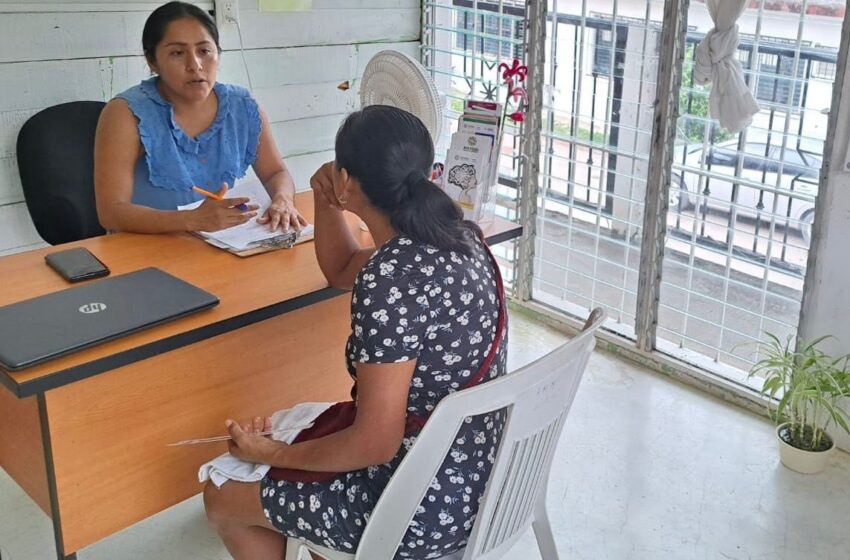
[52, 325]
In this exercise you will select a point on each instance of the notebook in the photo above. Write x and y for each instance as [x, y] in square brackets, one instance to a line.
[36, 330]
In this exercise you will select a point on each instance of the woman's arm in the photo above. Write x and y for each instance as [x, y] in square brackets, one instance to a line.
[117, 148]
[373, 439]
[339, 254]
[272, 172]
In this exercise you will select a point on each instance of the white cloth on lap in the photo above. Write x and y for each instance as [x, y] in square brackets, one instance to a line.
[227, 467]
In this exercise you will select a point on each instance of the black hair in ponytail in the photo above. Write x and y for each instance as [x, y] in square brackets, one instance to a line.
[391, 153]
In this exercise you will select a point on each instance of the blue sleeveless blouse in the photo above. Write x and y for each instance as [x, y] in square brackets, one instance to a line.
[174, 162]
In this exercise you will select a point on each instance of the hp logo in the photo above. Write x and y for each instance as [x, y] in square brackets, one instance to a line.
[92, 308]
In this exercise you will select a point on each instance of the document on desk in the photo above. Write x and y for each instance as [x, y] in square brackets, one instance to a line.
[251, 233]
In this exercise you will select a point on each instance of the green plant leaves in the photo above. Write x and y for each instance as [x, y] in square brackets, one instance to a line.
[809, 384]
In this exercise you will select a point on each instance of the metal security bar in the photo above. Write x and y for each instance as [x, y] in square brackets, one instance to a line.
[463, 43]
[741, 206]
[595, 157]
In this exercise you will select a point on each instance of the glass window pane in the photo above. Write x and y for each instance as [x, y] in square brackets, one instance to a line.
[740, 227]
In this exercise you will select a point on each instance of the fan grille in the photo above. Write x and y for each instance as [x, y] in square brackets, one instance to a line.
[395, 79]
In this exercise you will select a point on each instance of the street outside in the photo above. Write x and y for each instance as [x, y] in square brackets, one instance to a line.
[732, 271]
[711, 297]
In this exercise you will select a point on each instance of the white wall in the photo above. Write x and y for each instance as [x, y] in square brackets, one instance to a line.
[826, 307]
[295, 59]
[826, 303]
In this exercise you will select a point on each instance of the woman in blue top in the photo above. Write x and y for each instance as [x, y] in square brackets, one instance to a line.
[181, 129]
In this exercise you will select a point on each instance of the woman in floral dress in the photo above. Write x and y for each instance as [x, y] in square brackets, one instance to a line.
[425, 310]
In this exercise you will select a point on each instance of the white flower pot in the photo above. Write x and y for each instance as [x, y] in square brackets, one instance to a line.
[802, 461]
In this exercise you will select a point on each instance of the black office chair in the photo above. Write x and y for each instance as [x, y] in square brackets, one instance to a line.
[56, 161]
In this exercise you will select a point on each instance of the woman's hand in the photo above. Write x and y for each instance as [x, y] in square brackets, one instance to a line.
[247, 445]
[215, 215]
[322, 184]
[282, 212]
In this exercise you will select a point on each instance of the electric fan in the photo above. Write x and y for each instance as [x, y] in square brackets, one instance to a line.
[396, 79]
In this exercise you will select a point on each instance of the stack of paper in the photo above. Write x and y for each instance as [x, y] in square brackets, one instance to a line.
[251, 234]
[472, 159]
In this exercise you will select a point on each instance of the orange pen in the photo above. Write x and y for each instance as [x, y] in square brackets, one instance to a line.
[216, 196]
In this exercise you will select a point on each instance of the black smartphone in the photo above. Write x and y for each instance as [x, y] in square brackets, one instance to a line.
[76, 265]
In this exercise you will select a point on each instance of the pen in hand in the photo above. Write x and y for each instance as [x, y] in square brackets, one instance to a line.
[227, 437]
[216, 196]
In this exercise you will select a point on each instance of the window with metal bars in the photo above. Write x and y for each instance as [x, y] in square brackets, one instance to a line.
[741, 205]
[463, 43]
[825, 69]
[602, 62]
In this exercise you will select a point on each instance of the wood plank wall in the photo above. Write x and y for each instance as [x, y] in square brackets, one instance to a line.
[295, 60]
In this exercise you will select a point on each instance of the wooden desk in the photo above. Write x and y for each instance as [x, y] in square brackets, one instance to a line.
[85, 435]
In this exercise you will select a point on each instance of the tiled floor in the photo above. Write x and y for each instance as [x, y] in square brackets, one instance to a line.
[647, 469]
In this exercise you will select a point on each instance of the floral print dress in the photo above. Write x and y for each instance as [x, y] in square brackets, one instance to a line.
[411, 301]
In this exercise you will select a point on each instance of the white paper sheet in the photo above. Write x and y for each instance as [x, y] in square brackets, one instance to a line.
[250, 233]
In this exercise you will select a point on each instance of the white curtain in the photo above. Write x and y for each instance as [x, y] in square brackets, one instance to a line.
[730, 100]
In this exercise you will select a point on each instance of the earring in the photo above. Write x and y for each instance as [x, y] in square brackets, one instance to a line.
[341, 201]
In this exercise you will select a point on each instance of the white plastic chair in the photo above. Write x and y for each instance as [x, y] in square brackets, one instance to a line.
[538, 398]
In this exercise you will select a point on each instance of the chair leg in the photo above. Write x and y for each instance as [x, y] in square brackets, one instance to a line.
[543, 532]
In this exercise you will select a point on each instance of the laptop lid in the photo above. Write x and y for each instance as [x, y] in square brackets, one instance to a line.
[38, 329]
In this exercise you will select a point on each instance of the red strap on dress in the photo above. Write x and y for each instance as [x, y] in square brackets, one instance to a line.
[342, 414]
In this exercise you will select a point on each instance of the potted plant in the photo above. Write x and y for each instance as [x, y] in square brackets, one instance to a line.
[810, 386]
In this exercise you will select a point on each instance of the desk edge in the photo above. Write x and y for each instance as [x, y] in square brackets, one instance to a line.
[137, 354]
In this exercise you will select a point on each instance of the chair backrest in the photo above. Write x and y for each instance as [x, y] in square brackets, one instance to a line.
[538, 398]
[56, 161]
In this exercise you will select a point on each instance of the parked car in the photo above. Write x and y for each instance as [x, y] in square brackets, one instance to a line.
[800, 171]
